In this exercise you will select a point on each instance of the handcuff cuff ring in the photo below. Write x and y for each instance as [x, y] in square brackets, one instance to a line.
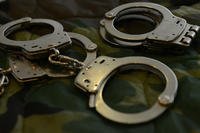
[92, 79]
[33, 49]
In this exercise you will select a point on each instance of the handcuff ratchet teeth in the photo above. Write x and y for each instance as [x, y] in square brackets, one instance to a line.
[33, 48]
[169, 30]
[24, 70]
[92, 79]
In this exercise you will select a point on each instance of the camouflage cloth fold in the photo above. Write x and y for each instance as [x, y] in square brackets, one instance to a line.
[57, 106]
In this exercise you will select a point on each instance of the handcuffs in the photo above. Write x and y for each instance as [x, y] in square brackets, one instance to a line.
[170, 31]
[95, 71]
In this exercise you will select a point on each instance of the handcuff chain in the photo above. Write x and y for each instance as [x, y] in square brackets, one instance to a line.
[65, 61]
[4, 80]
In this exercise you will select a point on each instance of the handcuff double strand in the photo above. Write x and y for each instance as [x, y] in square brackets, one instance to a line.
[170, 31]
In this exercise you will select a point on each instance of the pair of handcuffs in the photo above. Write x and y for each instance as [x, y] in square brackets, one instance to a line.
[95, 71]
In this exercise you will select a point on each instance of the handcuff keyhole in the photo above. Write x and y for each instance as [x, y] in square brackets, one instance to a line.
[101, 62]
[35, 46]
[87, 81]
[178, 22]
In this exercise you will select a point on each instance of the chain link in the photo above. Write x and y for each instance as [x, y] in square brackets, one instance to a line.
[3, 80]
[65, 61]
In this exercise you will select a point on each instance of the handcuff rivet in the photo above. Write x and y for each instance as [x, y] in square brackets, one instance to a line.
[102, 22]
[109, 15]
[164, 100]
[92, 47]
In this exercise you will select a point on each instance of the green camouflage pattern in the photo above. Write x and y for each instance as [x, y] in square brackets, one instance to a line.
[57, 106]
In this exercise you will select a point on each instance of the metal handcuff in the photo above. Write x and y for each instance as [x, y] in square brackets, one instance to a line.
[170, 31]
[93, 75]
[33, 49]
[93, 78]
[26, 69]
[34, 71]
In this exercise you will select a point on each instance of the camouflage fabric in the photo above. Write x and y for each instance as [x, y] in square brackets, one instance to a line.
[57, 106]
